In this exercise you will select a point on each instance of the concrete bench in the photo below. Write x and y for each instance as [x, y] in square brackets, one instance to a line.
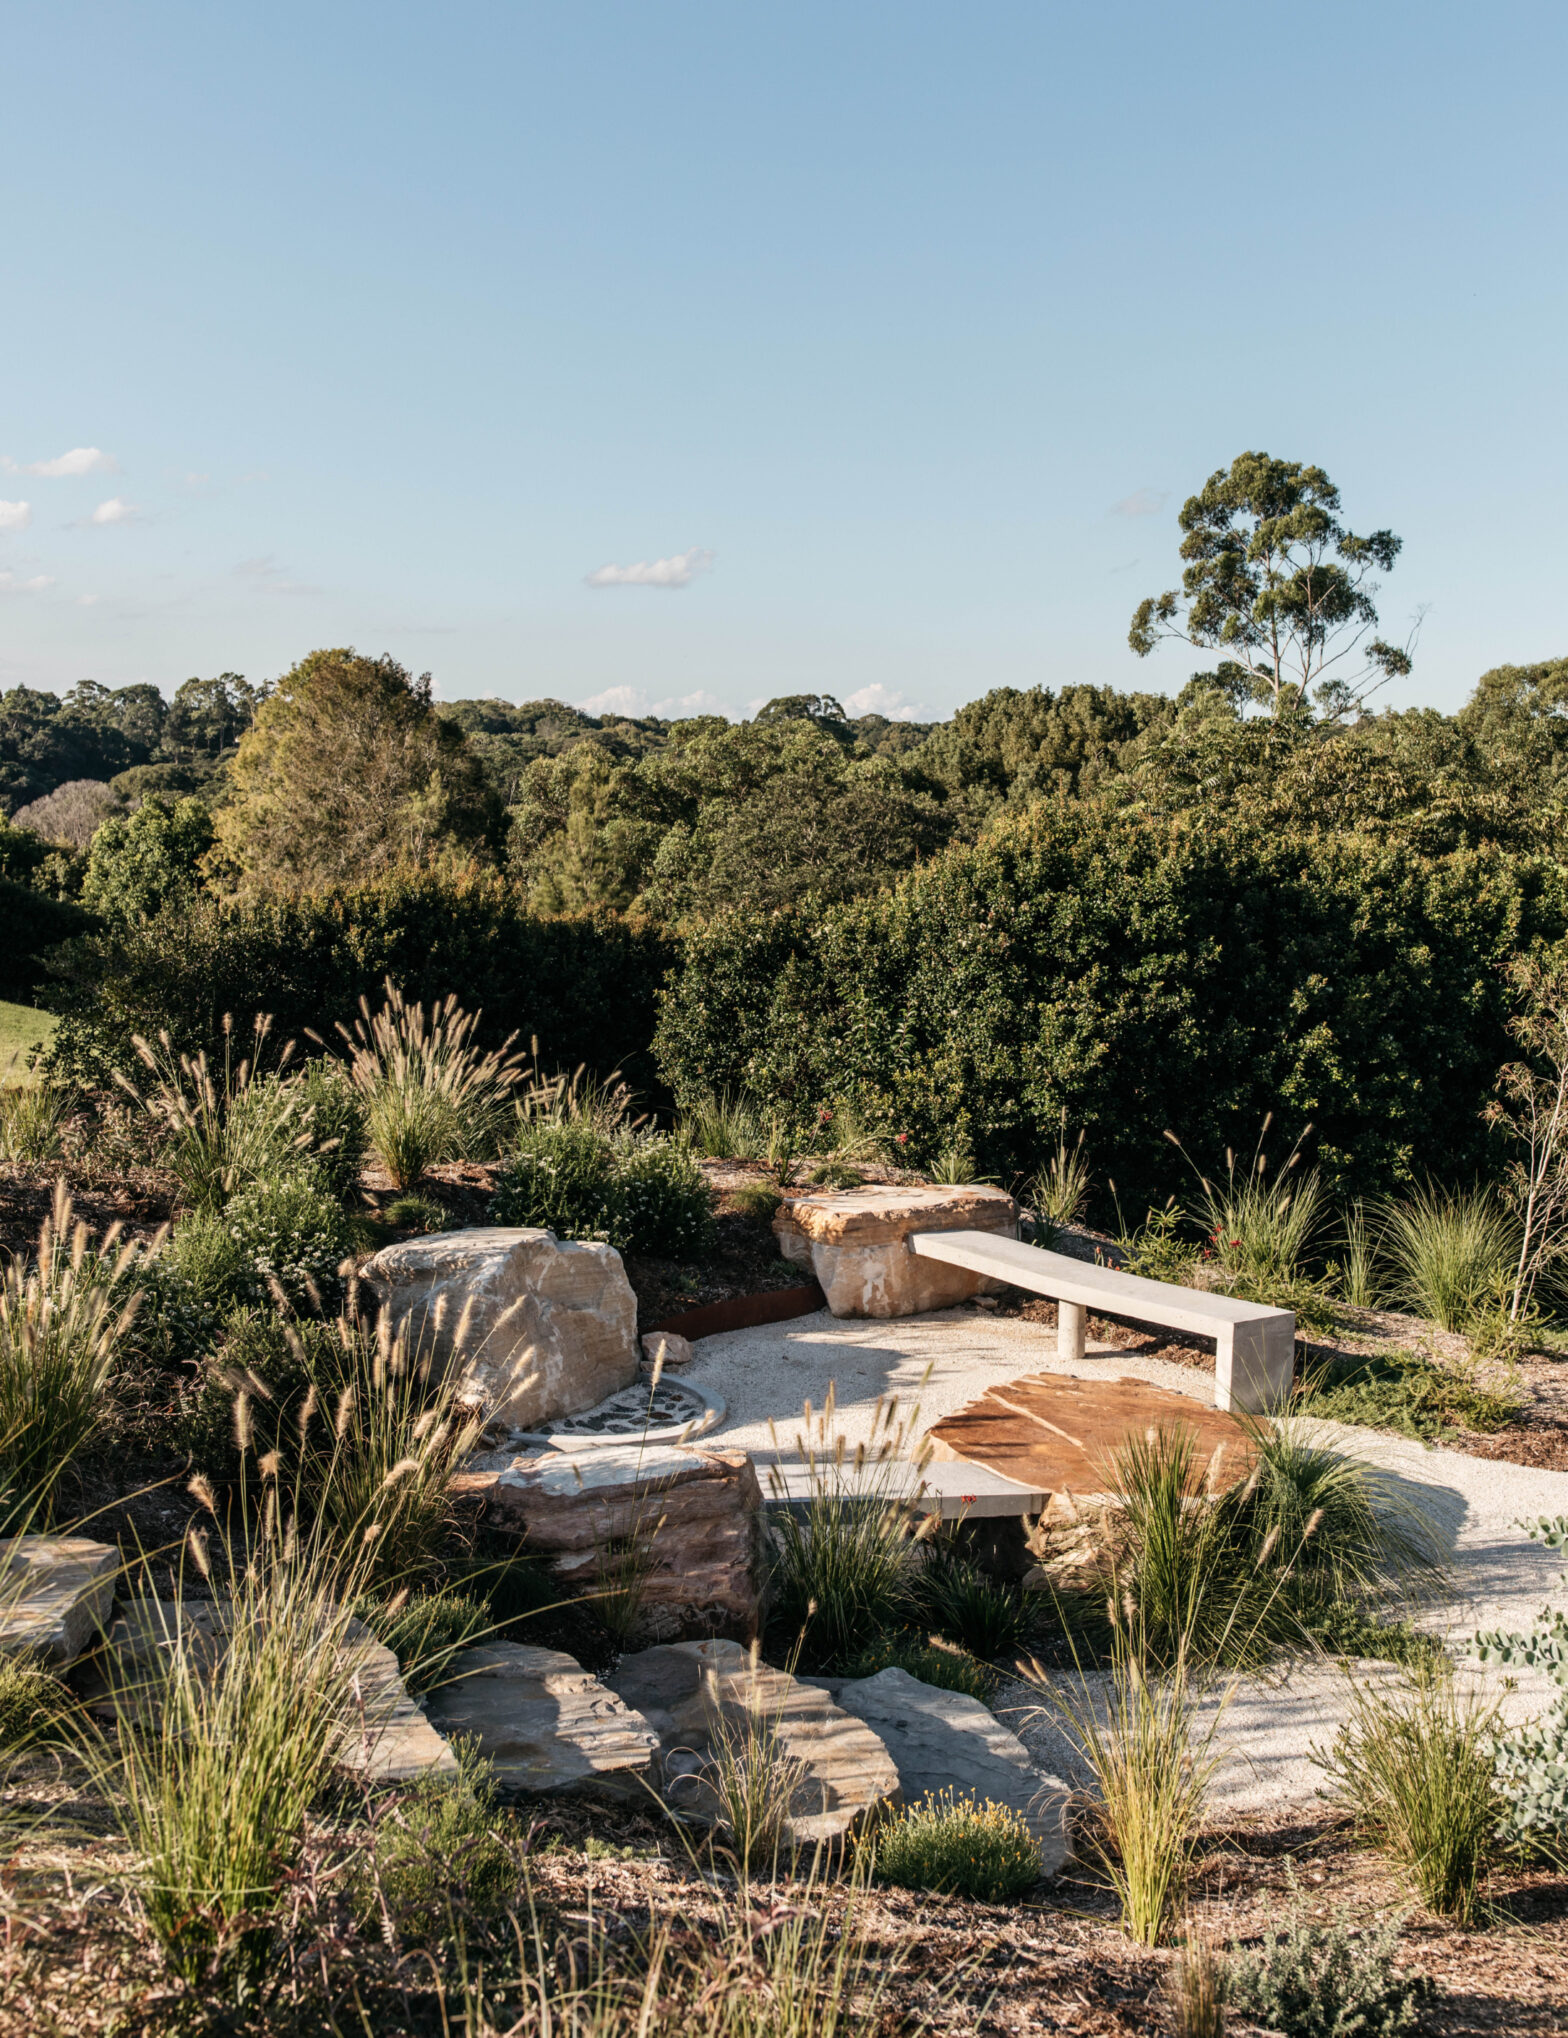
[1254, 1362]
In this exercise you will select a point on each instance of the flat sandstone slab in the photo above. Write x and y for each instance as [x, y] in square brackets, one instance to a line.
[945, 1740]
[1055, 1432]
[542, 1721]
[684, 1689]
[56, 1594]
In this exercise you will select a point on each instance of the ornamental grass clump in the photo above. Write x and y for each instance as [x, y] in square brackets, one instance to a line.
[1417, 1766]
[223, 1736]
[223, 1130]
[1450, 1252]
[64, 1311]
[1141, 1740]
[380, 1486]
[958, 1846]
[986, 1616]
[32, 1122]
[430, 1092]
[842, 1564]
[752, 1776]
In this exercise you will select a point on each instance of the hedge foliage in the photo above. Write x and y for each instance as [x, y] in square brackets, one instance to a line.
[1142, 973]
[584, 986]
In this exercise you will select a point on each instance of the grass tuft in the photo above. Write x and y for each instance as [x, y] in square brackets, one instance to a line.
[1418, 1768]
[1449, 1252]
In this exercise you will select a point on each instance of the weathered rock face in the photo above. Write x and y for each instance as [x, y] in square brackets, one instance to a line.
[683, 1690]
[687, 1522]
[545, 1724]
[854, 1241]
[385, 1737]
[945, 1740]
[537, 1326]
[56, 1594]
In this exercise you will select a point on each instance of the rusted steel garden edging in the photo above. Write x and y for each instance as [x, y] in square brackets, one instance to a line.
[744, 1312]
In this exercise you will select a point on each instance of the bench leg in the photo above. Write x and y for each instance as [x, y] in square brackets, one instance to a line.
[1255, 1366]
[1071, 1329]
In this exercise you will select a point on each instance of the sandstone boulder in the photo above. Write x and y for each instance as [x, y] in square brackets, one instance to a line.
[688, 1522]
[537, 1326]
[855, 1242]
[542, 1721]
[56, 1594]
[945, 1740]
[666, 1349]
[682, 1691]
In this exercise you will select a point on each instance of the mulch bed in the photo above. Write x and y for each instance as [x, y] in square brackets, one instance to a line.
[1054, 1964]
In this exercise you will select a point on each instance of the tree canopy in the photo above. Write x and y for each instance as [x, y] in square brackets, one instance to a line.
[347, 774]
[1278, 583]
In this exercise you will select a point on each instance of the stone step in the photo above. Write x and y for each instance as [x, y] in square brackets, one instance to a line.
[56, 1595]
[683, 1689]
[544, 1723]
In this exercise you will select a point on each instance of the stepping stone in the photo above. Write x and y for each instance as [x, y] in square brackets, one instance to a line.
[682, 1688]
[945, 1740]
[1056, 1432]
[388, 1739]
[543, 1722]
[56, 1595]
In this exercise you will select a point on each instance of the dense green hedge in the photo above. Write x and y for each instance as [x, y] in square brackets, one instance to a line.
[1143, 973]
[584, 985]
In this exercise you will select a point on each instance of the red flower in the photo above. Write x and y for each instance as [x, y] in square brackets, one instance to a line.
[903, 1139]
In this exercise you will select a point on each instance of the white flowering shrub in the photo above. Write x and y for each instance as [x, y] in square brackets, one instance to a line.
[290, 1230]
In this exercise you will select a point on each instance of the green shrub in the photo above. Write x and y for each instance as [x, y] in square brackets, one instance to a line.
[643, 1193]
[759, 1200]
[442, 1864]
[583, 984]
[424, 1630]
[1315, 1981]
[1533, 1759]
[1405, 1392]
[958, 1847]
[333, 1115]
[947, 1668]
[207, 1262]
[1140, 971]
[1418, 1770]
[292, 1232]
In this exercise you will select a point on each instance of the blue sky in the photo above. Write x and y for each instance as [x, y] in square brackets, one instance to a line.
[903, 330]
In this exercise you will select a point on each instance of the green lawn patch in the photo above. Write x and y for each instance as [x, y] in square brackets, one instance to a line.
[22, 1028]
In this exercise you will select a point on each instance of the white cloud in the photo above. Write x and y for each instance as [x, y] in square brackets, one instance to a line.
[115, 511]
[80, 460]
[677, 571]
[878, 699]
[13, 583]
[1143, 502]
[15, 516]
[633, 701]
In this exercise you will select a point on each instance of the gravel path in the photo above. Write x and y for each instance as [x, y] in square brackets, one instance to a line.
[1497, 1576]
